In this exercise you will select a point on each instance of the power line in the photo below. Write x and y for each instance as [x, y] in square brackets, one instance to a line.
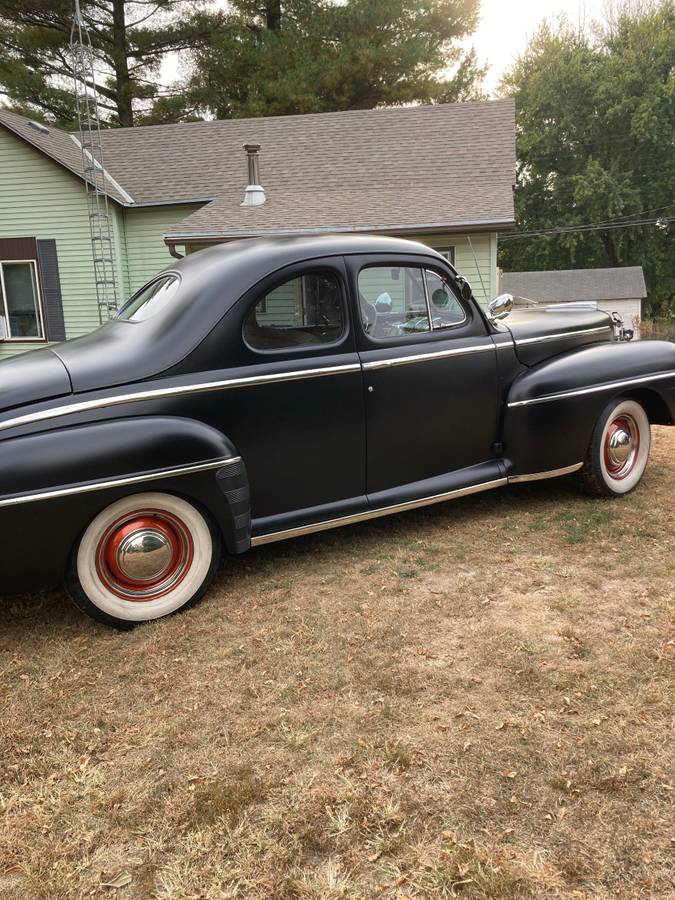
[584, 229]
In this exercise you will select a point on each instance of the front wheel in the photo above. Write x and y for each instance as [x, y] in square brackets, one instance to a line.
[141, 558]
[619, 450]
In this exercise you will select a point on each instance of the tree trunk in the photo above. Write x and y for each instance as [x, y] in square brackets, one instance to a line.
[120, 50]
[273, 15]
[610, 249]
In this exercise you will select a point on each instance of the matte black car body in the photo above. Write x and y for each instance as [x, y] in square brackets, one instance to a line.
[274, 444]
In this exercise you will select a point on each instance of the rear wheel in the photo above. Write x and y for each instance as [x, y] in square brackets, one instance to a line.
[142, 558]
[619, 449]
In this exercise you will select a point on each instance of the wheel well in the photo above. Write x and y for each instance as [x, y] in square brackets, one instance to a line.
[654, 405]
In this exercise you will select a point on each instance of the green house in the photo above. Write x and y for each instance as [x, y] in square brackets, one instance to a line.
[440, 174]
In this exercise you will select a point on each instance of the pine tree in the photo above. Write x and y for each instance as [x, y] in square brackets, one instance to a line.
[265, 57]
[130, 40]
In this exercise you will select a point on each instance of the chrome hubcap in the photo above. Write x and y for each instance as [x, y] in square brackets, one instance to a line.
[145, 555]
[622, 444]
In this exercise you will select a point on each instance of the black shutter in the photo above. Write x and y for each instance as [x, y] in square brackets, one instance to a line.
[51, 291]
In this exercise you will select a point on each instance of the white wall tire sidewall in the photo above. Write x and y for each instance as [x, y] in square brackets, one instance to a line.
[624, 485]
[141, 611]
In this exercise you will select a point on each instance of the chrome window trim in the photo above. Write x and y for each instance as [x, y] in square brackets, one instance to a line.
[580, 392]
[423, 357]
[92, 486]
[374, 513]
[540, 476]
[178, 391]
[563, 334]
[461, 305]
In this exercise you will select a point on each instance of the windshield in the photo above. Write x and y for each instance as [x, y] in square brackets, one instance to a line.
[150, 299]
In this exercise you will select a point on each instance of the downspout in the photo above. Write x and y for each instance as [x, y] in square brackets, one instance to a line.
[174, 252]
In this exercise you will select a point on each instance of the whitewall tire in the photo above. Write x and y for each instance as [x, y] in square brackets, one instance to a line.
[144, 557]
[619, 449]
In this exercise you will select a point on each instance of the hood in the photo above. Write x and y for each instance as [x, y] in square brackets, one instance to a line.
[542, 333]
[31, 377]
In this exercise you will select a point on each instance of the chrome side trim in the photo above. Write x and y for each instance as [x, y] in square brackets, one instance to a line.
[375, 513]
[423, 357]
[120, 482]
[179, 391]
[563, 334]
[540, 476]
[580, 392]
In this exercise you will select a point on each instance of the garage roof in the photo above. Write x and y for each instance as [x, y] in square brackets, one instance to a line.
[574, 285]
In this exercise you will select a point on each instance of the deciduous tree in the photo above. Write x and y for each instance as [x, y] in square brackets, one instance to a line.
[596, 125]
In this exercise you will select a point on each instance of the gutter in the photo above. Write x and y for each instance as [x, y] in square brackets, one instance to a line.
[476, 225]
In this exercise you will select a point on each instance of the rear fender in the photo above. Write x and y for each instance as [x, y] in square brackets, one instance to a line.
[552, 408]
[53, 483]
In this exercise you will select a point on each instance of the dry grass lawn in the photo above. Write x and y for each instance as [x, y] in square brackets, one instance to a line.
[472, 700]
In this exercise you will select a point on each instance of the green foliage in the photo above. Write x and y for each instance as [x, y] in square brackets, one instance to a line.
[130, 40]
[318, 55]
[596, 124]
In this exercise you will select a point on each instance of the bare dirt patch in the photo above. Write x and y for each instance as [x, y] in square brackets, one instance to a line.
[473, 700]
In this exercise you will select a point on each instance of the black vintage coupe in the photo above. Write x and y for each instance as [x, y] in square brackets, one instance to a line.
[265, 389]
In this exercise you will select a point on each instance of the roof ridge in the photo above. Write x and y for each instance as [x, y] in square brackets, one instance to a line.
[500, 101]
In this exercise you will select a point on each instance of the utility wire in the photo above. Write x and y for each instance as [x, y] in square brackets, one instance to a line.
[584, 229]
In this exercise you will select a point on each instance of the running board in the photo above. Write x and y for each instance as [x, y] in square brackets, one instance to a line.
[354, 518]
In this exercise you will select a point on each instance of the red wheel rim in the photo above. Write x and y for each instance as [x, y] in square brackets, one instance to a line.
[144, 555]
[621, 446]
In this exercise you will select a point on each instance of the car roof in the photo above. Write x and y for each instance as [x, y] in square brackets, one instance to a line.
[211, 283]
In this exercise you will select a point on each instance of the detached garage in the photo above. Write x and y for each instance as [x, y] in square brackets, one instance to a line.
[619, 290]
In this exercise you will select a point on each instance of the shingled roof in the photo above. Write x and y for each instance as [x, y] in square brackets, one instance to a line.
[65, 149]
[574, 285]
[442, 167]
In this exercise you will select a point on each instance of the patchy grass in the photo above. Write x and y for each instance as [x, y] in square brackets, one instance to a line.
[473, 700]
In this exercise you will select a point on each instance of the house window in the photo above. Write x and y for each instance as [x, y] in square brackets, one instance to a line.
[20, 308]
[447, 253]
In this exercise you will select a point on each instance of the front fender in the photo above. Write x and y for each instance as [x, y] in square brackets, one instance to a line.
[551, 409]
[53, 483]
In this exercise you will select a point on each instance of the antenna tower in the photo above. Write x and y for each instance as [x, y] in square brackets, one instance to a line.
[89, 127]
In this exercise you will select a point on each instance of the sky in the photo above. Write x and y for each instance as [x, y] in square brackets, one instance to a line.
[505, 27]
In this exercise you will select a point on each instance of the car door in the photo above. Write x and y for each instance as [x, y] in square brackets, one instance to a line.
[430, 379]
[298, 420]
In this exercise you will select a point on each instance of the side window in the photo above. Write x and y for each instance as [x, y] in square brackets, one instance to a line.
[305, 310]
[150, 299]
[393, 301]
[446, 310]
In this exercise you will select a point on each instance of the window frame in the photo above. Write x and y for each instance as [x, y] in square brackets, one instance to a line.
[448, 253]
[419, 336]
[4, 309]
[273, 283]
[457, 298]
[161, 276]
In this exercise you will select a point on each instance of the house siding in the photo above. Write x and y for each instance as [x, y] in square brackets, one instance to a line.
[39, 199]
[475, 259]
[145, 250]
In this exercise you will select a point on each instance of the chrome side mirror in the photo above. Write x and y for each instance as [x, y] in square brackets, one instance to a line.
[500, 307]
